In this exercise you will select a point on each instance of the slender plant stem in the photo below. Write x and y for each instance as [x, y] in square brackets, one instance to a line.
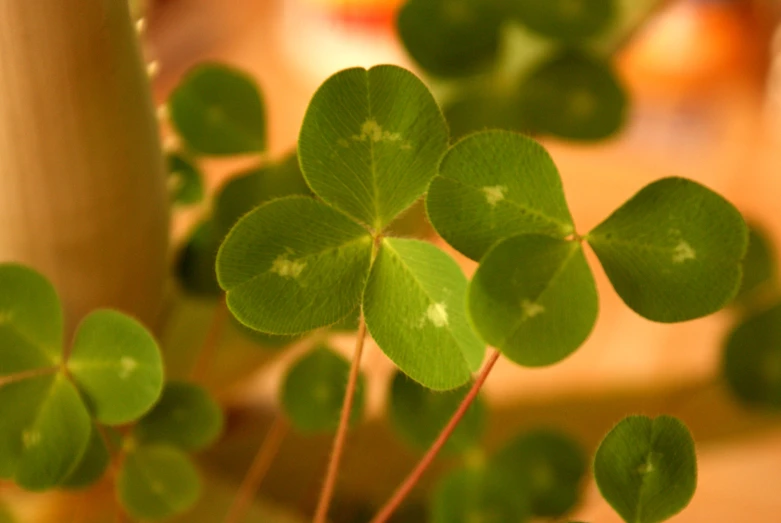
[212, 341]
[32, 373]
[260, 465]
[409, 483]
[341, 432]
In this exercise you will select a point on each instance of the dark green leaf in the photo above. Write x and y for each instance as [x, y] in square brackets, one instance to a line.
[759, 265]
[218, 110]
[567, 20]
[482, 109]
[647, 469]
[313, 391]
[419, 415]
[493, 185]
[450, 37]
[294, 265]
[572, 96]
[752, 359]
[534, 298]
[547, 467]
[195, 261]
[414, 308]
[184, 180]
[371, 141]
[186, 417]
[44, 431]
[471, 495]
[673, 252]
[248, 190]
[31, 322]
[272, 342]
[93, 463]
[157, 482]
[117, 365]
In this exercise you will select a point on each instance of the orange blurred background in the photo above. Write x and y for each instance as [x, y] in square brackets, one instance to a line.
[705, 83]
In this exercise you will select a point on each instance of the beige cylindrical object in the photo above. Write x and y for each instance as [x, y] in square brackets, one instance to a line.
[82, 188]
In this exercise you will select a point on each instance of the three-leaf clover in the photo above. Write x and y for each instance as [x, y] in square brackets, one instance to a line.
[111, 375]
[369, 145]
[673, 252]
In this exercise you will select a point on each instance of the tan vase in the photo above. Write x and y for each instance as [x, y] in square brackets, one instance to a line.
[82, 188]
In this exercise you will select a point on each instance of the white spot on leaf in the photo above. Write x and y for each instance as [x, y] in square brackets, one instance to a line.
[437, 314]
[287, 268]
[126, 367]
[531, 309]
[5, 317]
[371, 130]
[683, 251]
[31, 438]
[495, 194]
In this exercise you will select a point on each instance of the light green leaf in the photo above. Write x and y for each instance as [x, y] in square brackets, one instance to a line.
[419, 415]
[371, 141]
[647, 469]
[673, 251]
[567, 20]
[184, 180]
[759, 266]
[157, 482]
[450, 37]
[293, 265]
[534, 298]
[471, 495]
[752, 359]
[218, 110]
[117, 365]
[44, 431]
[493, 185]
[196, 259]
[414, 309]
[314, 388]
[186, 417]
[547, 467]
[93, 463]
[572, 96]
[31, 323]
[248, 190]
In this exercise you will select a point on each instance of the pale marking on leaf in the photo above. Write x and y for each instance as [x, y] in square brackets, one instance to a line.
[6, 317]
[683, 251]
[287, 268]
[437, 314]
[371, 130]
[157, 487]
[343, 142]
[31, 438]
[495, 194]
[126, 367]
[531, 309]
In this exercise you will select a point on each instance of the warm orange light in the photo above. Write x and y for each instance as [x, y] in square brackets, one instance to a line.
[687, 47]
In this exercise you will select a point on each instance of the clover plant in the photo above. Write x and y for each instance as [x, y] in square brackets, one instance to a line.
[315, 245]
[534, 66]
